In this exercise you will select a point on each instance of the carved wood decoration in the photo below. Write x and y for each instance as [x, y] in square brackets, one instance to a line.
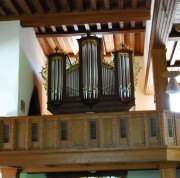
[92, 84]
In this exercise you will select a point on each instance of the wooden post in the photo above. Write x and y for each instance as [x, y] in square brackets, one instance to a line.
[160, 82]
[10, 173]
[167, 170]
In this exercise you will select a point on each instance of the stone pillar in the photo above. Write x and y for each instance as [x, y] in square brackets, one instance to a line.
[167, 170]
[10, 173]
[160, 83]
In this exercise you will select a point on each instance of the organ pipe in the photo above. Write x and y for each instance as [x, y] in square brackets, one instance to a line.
[89, 59]
[125, 84]
[56, 77]
[92, 83]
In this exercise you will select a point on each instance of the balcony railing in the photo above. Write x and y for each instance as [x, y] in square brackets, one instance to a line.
[90, 131]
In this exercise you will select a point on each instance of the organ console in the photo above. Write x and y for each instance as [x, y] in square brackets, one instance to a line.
[91, 85]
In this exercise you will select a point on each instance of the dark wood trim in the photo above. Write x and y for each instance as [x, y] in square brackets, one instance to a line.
[104, 16]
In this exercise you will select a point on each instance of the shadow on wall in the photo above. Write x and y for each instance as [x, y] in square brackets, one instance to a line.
[34, 107]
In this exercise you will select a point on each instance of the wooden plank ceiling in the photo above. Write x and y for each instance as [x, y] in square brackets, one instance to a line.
[59, 23]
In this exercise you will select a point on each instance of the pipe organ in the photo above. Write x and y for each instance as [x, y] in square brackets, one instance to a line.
[91, 85]
[123, 68]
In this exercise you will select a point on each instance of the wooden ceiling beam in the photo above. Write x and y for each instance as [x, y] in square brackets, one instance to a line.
[98, 31]
[132, 41]
[44, 46]
[120, 4]
[73, 47]
[93, 4]
[56, 42]
[121, 36]
[62, 43]
[88, 17]
[51, 5]
[79, 5]
[134, 3]
[24, 6]
[142, 42]
[106, 4]
[65, 5]
[2, 12]
[39, 8]
[51, 43]
[10, 7]
[98, 167]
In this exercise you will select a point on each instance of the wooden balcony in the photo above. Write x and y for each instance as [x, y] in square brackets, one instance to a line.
[91, 141]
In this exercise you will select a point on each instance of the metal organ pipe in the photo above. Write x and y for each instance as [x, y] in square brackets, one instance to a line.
[56, 79]
[90, 74]
[124, 76]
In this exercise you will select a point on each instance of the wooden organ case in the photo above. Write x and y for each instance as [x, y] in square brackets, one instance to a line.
[92, 84]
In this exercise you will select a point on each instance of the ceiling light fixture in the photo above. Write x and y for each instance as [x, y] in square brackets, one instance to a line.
[173, 86]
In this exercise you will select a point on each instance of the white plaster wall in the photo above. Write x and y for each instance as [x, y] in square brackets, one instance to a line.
[9, 62]
[143, 102]
[26, 83]
[36, 58]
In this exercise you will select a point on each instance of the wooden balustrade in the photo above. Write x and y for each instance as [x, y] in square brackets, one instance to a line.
[90, 131]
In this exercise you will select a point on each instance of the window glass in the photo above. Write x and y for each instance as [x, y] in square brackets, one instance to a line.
[35, 132]
[63, 128]
[122, 127]
[6, 133]
[93, 131]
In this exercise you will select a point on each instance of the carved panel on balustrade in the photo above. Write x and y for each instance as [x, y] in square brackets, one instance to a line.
[48, 133]
[78, 132]
[153, 130]
[107, 132]
[92, 140]
[136, 129]
[20, 139]
[122, 127]
[169, 129]
[8, 141]
[33, 142]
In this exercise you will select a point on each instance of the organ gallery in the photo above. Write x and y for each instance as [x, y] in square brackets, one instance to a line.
[92, 84]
